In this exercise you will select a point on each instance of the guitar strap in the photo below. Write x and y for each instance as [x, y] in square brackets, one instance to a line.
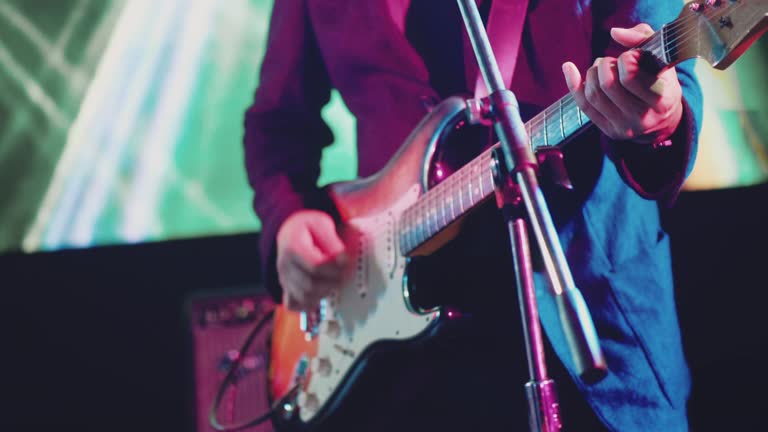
[506, 20]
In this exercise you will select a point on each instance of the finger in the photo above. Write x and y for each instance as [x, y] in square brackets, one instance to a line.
[572, 77]
[600, 101]
[294, 282]
[291, 303]
[306, 290]
[576, 86]
[318, 283]
[318, 266]
[306, 254]
[630, 105]
[632, 37]
[649, 88]
[326, 238]
[293, 292]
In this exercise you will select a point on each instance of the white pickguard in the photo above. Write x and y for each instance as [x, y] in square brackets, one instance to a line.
[370, 308]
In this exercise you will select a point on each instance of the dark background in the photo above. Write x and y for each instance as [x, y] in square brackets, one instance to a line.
[99, 339]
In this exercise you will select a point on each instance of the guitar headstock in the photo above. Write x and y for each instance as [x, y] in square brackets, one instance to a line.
[718, 31]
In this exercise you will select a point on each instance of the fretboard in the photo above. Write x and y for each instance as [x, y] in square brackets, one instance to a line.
[474, 182]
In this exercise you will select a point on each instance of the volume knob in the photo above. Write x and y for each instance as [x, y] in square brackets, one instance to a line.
[321, 366]
[330, 328]
[308, 401]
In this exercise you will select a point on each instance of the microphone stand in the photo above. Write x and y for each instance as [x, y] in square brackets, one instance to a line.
[518, 195]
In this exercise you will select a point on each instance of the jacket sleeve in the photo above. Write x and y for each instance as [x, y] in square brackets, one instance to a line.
[284, 131]
[656, 174]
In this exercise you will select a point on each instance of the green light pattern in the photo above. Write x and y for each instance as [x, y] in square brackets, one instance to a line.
[52, 58]
[121, 120]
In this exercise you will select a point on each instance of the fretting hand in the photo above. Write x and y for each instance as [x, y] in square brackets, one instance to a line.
[625, 102]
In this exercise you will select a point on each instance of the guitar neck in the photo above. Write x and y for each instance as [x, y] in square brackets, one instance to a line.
[474, 182]
[716, 31]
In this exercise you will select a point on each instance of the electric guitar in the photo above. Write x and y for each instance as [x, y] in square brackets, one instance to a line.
[396, 214]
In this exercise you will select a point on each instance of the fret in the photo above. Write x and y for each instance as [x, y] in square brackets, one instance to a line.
[439, 218]
[416, 226]
[553, 127]
[443, 206]
[424, 220]
[662, 52]
[456, 187]
[469, 186]
[536, 136]
[433, 206]
[530, 136]
[405, 243]
[421, 234]
[578, 114]
[452, 197]
[478, 181]
[570, 117]
[431, 216]
[482, 188]
[489, 178]
[442, 211]
[407, 229]
[435, 211]
[562, 126]
[410, 236]
[416, 223]
[459, 190]
[546, 133]
[408, 241]
[461, 187]
[420, 223]
[427, 218]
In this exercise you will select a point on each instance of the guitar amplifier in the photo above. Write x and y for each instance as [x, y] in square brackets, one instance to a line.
[220, 325]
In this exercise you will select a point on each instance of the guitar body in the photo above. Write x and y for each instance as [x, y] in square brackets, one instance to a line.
[373, 308]
[398, 213]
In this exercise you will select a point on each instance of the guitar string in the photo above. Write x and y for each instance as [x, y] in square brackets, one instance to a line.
[715, 12]
[435, 194]
[568, 102]
[654, 43]
[688, 34]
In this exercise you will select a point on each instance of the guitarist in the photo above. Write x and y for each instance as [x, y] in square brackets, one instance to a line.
[389, 59]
